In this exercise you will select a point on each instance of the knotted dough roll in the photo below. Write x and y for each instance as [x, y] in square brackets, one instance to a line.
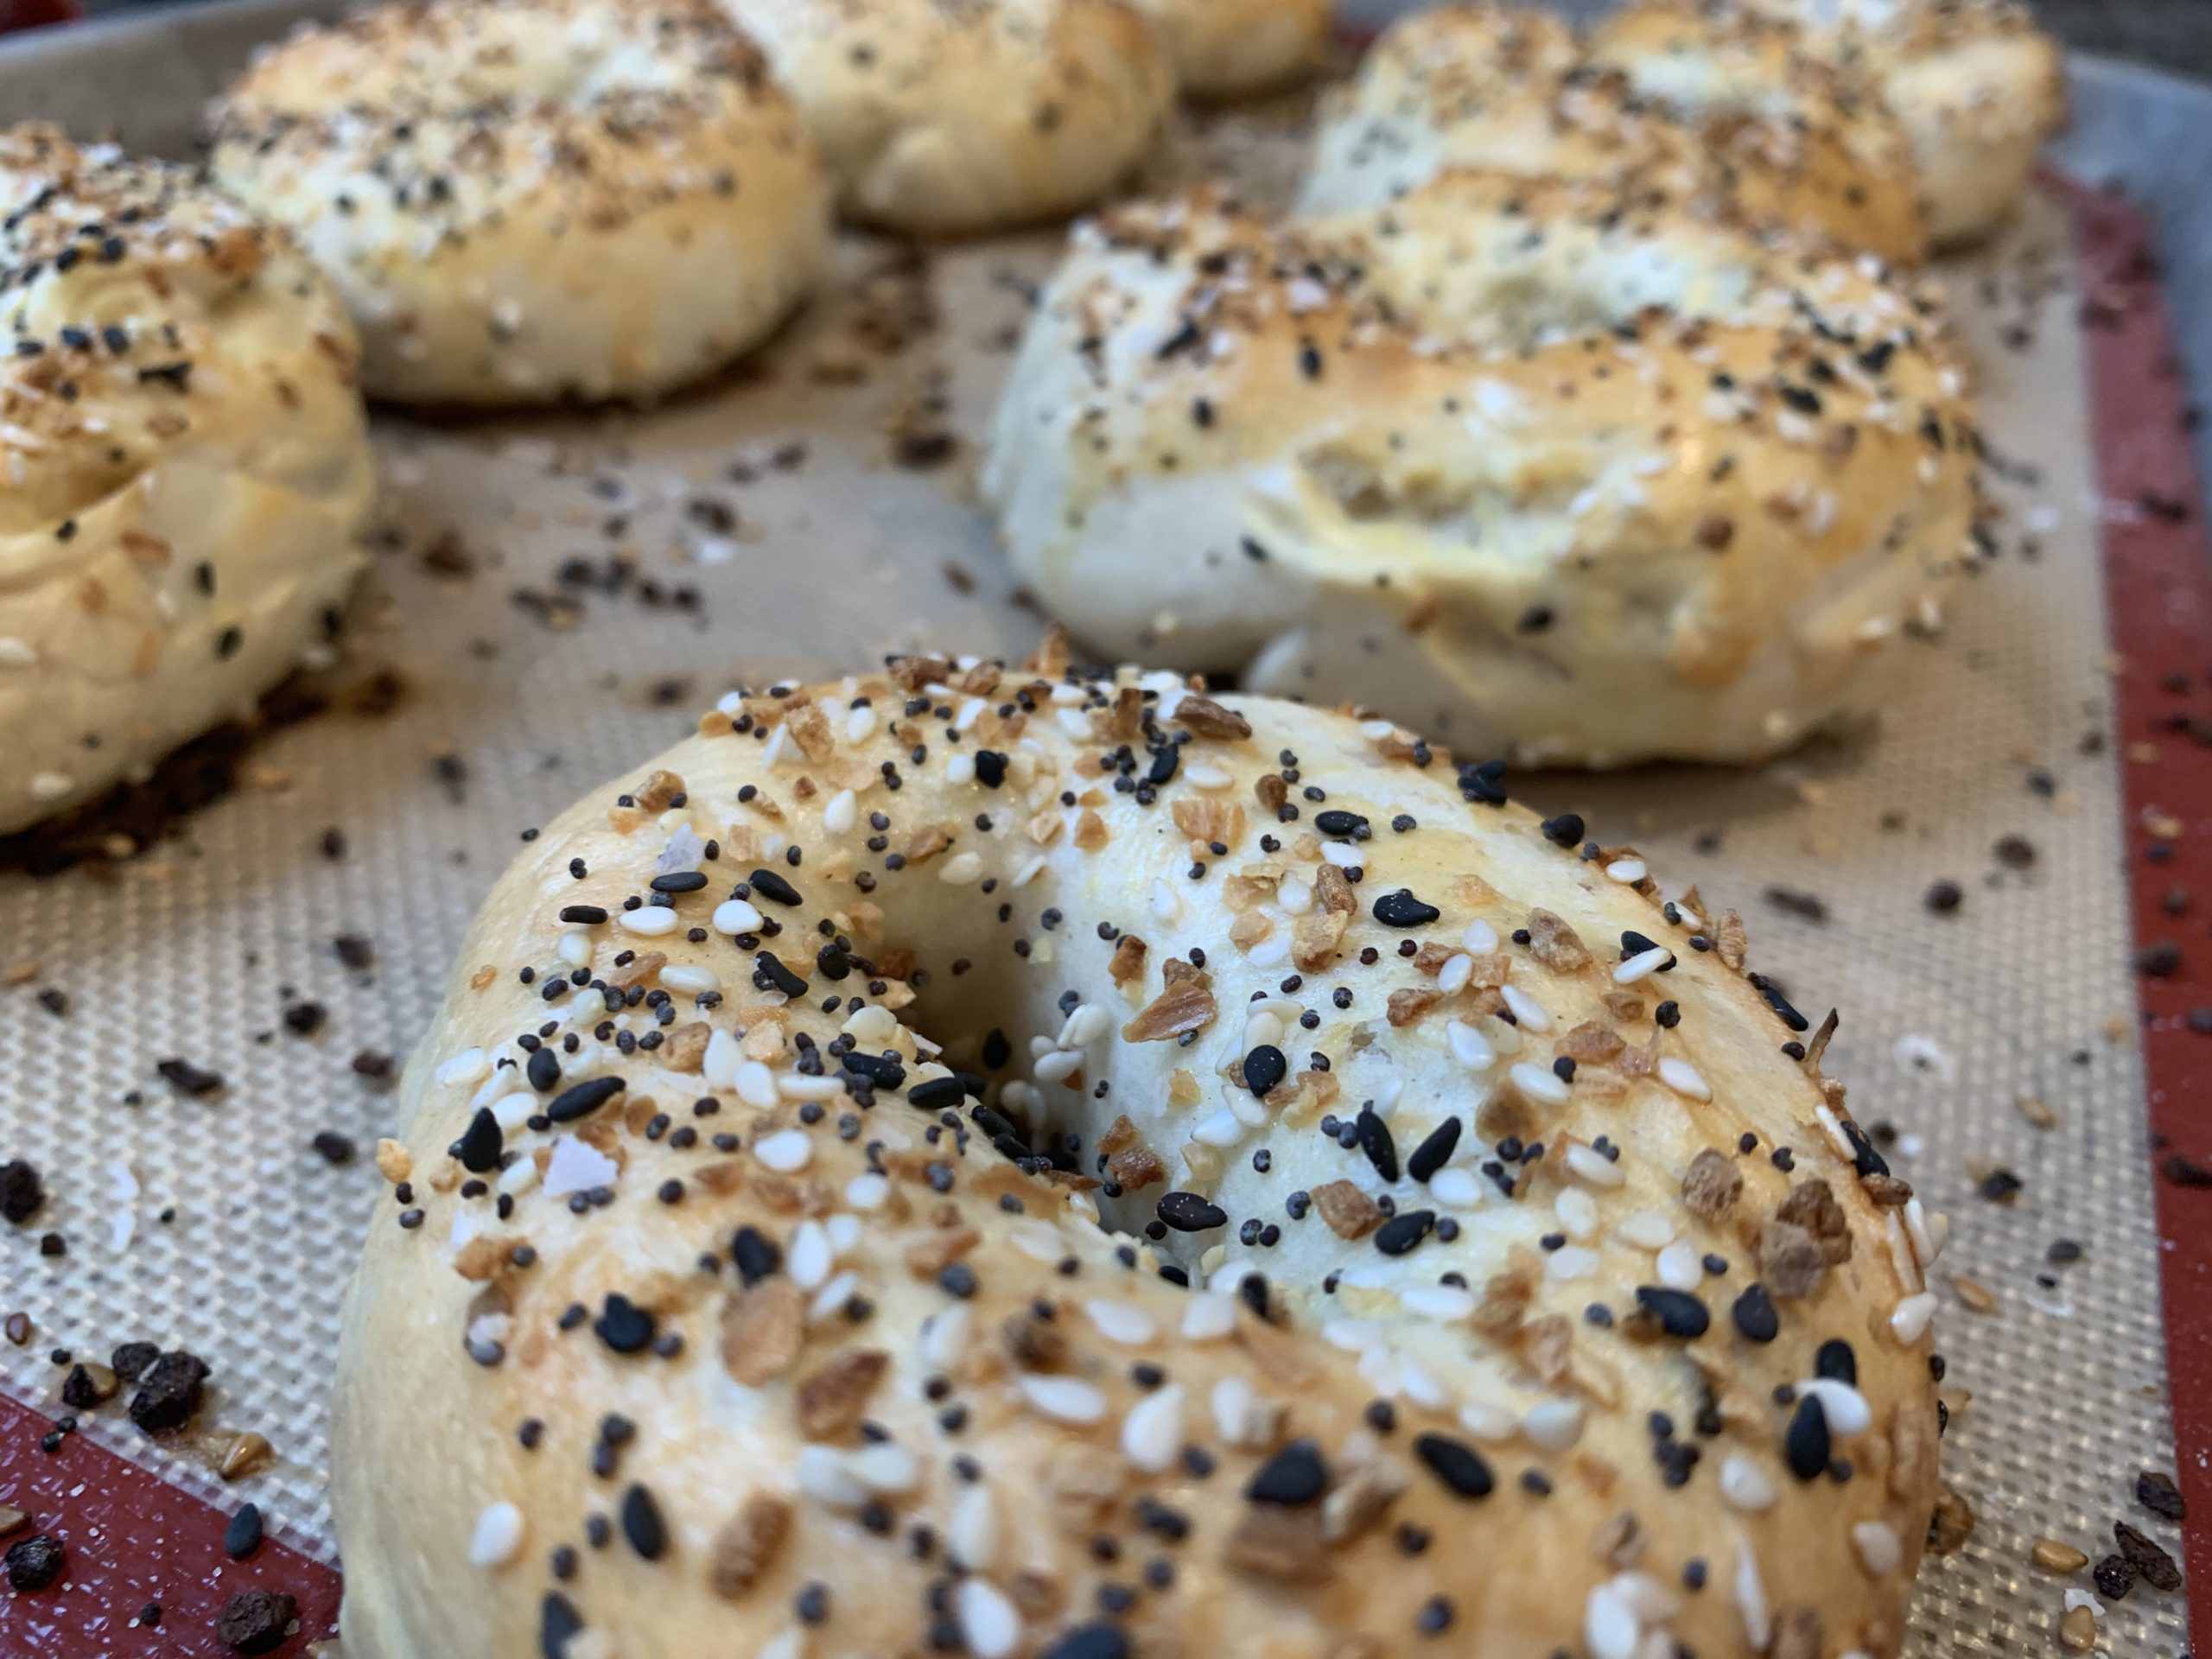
[1724, 108]
[527, 201]
[948, 118]
[185, 464]
[1559, 471]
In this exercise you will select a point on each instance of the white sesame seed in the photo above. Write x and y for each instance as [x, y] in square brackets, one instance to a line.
[1916, 1229]
[1571, 1261]
[1203, 777]
[1164, 904]
[1554, 1425]
[1085, 1026]
[1681, 1266]
[1642, 965]
[1628, 870]
[1646, 1229]
[1057, 1066]
[1121, 1322]
[1910, 1319]
[1588, 1164]
[859, 724]
[735, 916]
[1153, 1431]
[1444, 1302]
[690, 978]
[842, 812]
[1683, 1078]
[1540, 1084]
[1610, 1630]
[576, 947]
[962, 870]
[974, 1530]
[1209, 1317]
[1845, 1408]
[1221, 1127]
[754, 1083]
[1457, 1188]
[808, 1261]
[830, 1302]
[16, 653]
[786, 1152]
[796, 1085]
[51, 785]
[1877, 1546]
[1469, 1047]
[459, 1070]
[1577, 1212]
[987, 1619]
[1744, 1485]
[511, 1111]
[945, 1337]
[886, 1468]
[1750, 1597]
[1900, 1257]
[1064, 1399]
[650, 921]
[1032, 868]
[1531, 1014]
[1451, 978]
[497, 1537]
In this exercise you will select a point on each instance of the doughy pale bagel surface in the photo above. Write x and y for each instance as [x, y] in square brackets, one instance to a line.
[525, 201]
[184, 464]
[1541, 1294]
[1239, 49]
[1732, 112]
[945, 117]
[1976, 85]
[1553, 471]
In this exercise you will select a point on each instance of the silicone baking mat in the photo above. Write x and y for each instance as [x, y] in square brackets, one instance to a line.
[197, 1035]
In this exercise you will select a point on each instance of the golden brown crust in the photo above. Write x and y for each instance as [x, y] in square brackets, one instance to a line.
[530, 199]
[590, 1341]
[1703, 104]
[1573, 471]
[947, 117]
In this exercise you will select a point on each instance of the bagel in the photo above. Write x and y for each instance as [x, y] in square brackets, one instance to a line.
[1975, 85]
[186, 465]
[1554, 471]
[528, 200]
[948, 118]
[1466, 1281]
[1736, 112]
[1226, 49]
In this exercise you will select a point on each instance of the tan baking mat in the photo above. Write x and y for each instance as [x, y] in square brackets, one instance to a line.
[559, 594]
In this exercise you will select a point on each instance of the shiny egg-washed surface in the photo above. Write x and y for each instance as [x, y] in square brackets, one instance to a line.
[523, 690]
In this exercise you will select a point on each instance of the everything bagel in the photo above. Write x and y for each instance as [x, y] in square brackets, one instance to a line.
[186, 465]
[949, 117]
[1975, 85]
[1026, 1163]
[524, 200]
[1709, 106]
[1567, 472]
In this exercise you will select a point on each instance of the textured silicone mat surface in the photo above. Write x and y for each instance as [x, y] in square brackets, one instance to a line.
[556, 597]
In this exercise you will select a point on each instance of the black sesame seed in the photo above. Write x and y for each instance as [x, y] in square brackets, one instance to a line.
[1402, 909]
[1401, 1232]
[583, 1099]
[1294, 1475]
[1458, 1464]
[1754, 1315]
[1806, 1444]
[1680, 1313]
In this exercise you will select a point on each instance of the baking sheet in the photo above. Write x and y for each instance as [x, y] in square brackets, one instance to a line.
[555, 596]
